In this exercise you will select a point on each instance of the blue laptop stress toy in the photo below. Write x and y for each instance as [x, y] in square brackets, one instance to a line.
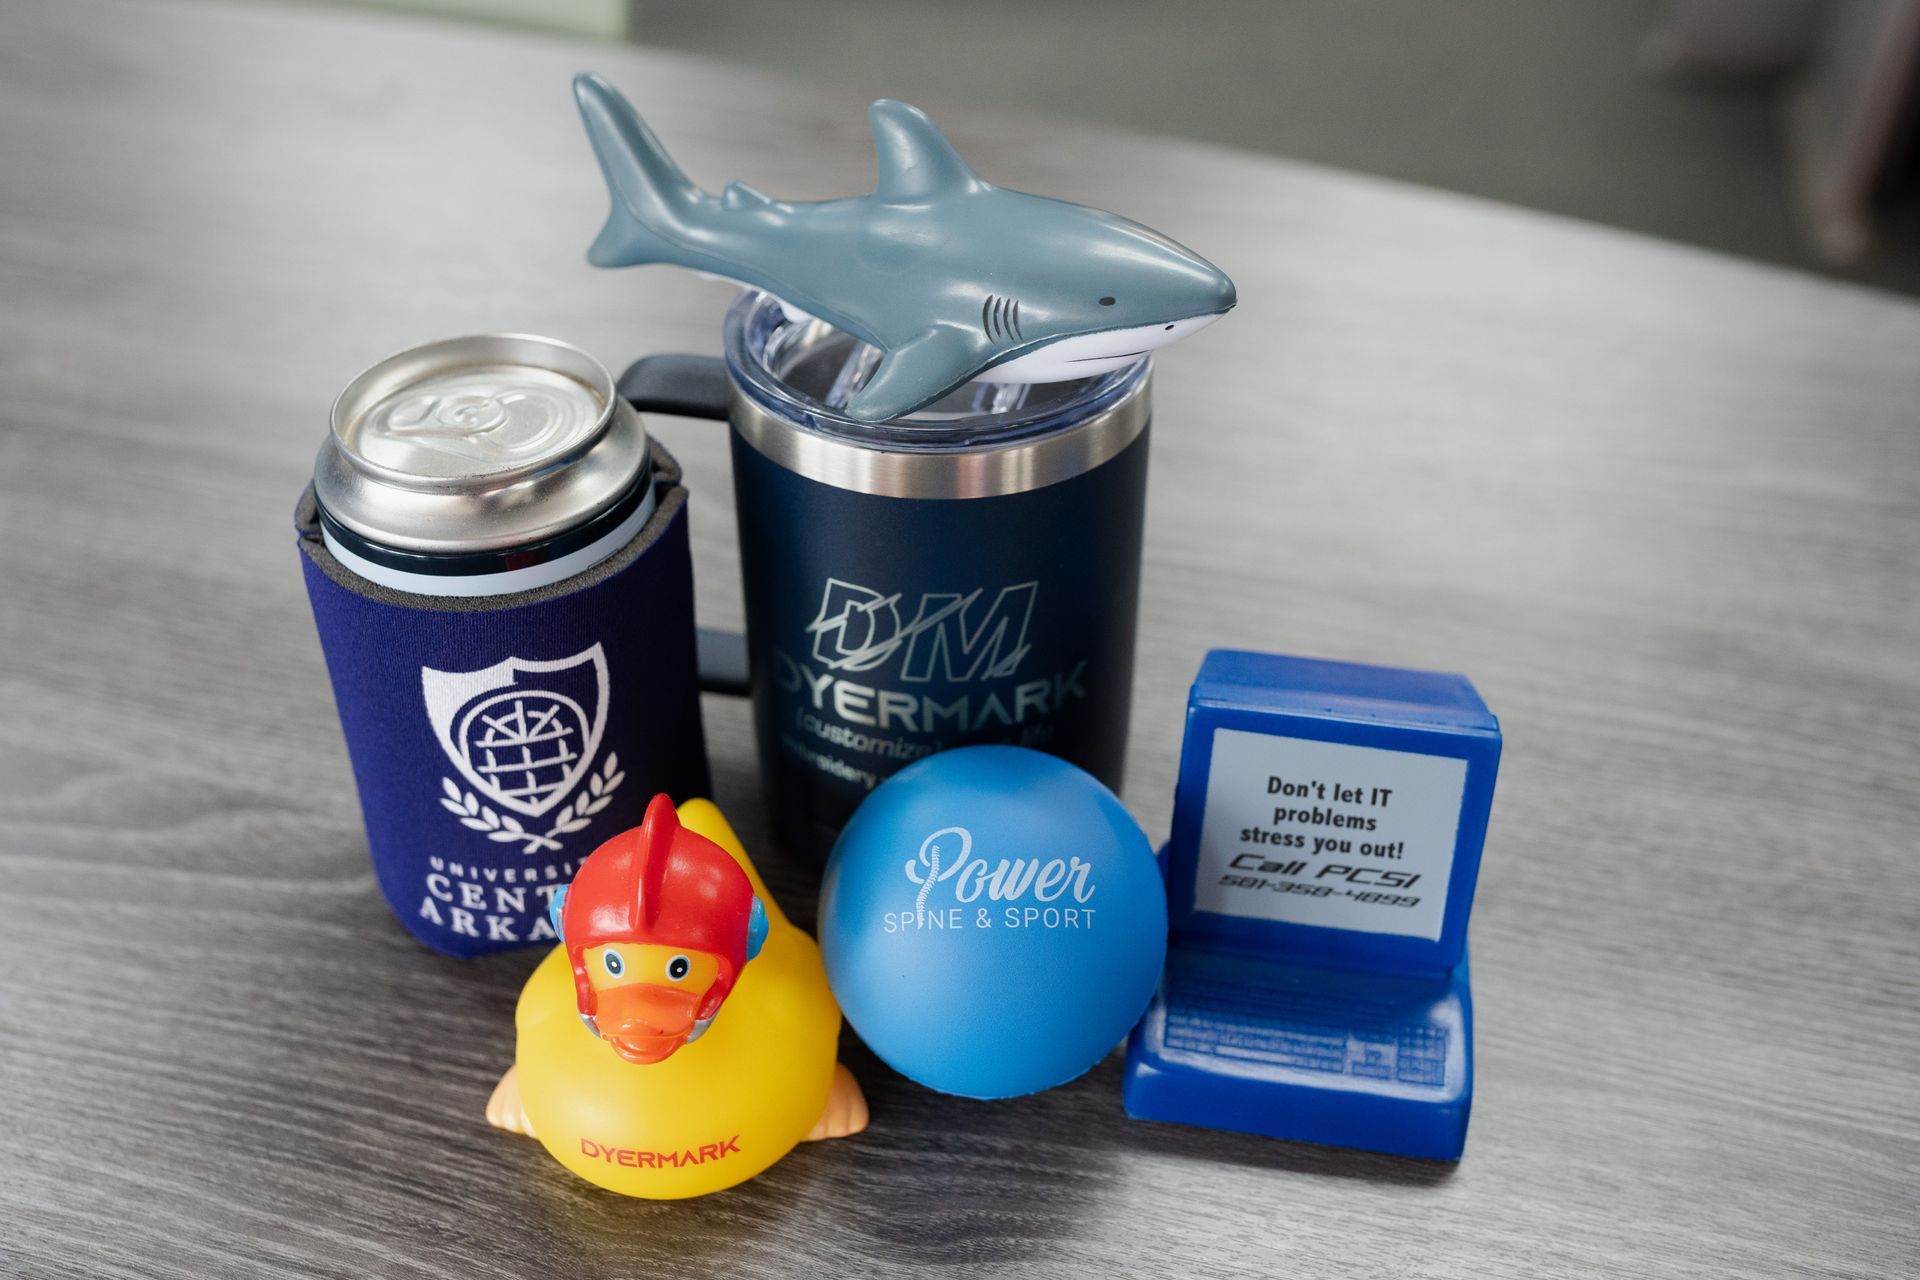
[1326, 838]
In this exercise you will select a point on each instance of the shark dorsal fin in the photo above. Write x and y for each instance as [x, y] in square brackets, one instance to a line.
[916, 160]
[739, 195]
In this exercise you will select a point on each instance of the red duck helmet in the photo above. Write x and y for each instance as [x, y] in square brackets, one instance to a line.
[662, 884]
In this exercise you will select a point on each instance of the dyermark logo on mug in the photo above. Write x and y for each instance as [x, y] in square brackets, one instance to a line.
[953, 643]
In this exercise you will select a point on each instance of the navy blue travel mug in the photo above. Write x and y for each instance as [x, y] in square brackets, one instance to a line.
[967, 574]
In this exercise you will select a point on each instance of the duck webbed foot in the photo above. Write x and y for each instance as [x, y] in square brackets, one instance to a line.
[846, 1109]
[506, 1111]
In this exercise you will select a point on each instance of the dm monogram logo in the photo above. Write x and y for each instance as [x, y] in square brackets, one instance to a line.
[524, 735]
[947, 638]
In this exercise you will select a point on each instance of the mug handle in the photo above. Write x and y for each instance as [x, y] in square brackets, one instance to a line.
[689, 386]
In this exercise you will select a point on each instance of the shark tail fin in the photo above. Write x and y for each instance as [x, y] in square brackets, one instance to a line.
[652, 198]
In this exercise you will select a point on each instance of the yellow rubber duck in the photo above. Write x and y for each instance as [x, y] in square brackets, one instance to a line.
[625, 1070]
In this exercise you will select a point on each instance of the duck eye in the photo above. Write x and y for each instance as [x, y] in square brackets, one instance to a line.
[679, 967]
[1106, 302]
[615, 965]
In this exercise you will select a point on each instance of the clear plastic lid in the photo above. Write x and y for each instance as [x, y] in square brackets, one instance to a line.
[804, 371]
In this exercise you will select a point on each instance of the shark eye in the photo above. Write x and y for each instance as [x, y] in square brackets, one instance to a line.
[615, 965]
[679, 967]
[1106, 302]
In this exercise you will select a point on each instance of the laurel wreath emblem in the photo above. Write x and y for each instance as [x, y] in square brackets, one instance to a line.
[504, 828]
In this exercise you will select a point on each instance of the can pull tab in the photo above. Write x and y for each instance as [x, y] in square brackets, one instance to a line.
[689, 386]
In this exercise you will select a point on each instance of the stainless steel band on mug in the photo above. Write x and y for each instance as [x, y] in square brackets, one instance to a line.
[1015, 467]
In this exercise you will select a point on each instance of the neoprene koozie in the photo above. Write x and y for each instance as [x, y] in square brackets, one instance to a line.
[590, 683]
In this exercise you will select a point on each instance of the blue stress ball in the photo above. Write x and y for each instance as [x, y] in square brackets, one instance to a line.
[993, 921]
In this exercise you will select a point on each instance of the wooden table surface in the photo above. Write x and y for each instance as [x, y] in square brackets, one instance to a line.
[1663, 507]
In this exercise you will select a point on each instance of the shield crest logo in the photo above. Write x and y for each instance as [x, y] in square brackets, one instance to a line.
[524, 733]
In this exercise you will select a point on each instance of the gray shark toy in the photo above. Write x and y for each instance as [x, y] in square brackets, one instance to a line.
[951, 278]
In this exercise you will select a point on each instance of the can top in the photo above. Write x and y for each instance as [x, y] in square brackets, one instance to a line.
[478, 443]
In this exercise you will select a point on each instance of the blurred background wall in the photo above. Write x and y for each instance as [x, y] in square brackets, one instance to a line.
[1774, 129]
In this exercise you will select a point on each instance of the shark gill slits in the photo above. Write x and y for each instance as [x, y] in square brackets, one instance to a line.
[1000, 317]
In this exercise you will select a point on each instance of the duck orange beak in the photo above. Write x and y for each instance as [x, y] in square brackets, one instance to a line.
[644, 1023]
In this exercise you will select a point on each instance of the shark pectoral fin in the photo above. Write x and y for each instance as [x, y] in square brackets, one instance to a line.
[916, 374]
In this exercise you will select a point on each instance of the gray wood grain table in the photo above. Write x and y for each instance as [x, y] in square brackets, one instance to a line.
[1663, 507]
